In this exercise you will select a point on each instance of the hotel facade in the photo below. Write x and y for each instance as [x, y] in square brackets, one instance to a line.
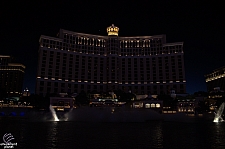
[216, 79]
[73, 62]
[11, 76]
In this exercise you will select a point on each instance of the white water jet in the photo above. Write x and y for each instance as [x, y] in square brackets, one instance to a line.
[66, 115]
[53, 113]
[219, 113]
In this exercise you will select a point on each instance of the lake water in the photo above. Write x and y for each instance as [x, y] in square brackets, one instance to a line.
[153, 134]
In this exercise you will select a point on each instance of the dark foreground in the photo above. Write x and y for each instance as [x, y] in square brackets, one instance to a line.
[152, 134]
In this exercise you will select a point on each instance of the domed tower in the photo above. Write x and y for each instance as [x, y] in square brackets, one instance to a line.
[112, 47]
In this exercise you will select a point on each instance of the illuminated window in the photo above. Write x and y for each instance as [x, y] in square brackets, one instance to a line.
[157, 105]
[152, 105]
[147, 105]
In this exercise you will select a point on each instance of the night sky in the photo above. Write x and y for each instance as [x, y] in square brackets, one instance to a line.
[199, 25]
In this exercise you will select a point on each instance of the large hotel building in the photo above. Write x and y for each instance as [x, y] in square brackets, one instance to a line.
[73, 62]
[216, 79]
[11, 76]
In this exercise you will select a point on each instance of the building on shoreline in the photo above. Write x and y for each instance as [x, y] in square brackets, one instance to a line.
[216, 80]
[73, 62]
[11, 76]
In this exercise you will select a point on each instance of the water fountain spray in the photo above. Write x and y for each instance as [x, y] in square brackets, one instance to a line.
[53, 113]
[219, 113]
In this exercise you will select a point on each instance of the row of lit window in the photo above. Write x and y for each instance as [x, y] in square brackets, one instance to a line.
[96, 71]
[14, 92]
[13, 70]
[101, 43]
[147, 105]
[215, 77]
[153, 49]
[122, 54]
[135, 66]
[148, 60]
[185, 110]
[66, 80]
[84, 40]
[72, 56]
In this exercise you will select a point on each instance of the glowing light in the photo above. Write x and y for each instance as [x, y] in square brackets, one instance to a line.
[112, 30]
[13, 69]
[16, 64]
[53, 113]
[215, 77]
[157, 105]
[219, 113]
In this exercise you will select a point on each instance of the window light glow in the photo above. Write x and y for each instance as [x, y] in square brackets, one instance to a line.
[157, 105]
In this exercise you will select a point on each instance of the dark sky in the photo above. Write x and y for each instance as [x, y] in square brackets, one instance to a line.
[199, 25]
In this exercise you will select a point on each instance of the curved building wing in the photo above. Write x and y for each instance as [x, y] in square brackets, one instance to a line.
[73, 62]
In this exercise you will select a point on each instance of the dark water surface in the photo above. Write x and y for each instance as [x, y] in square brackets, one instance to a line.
[154, 134]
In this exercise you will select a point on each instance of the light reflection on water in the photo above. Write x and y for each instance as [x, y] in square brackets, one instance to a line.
[217, 136]
[52, 136]
[155, 134]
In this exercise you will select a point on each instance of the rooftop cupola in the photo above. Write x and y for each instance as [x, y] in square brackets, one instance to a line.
[112, 30]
